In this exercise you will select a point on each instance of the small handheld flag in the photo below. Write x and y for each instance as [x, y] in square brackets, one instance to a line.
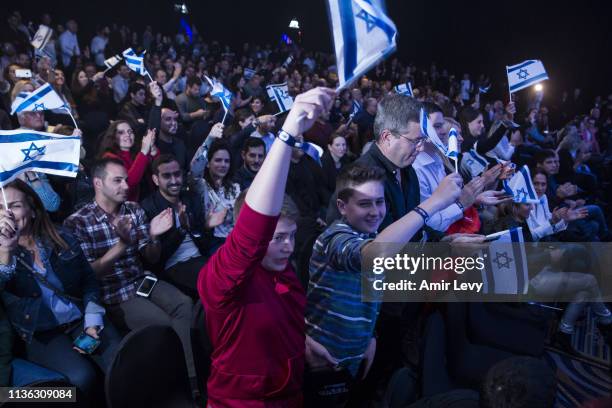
[453, 147]
[505, 270]
[404, 89]
[28, 150]
[43, 98]
[279, 93]
[288, 61]
[363, 35]
[525, 74]
[249, 73]
[136, 62]
[484, 89]
[42, 36]
[111, 62]
[222, 93]
[428, 131]
[521, 188]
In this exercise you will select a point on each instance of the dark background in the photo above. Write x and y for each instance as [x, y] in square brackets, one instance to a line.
[573, 39]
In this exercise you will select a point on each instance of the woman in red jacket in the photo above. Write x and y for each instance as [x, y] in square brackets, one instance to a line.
[118, 143]
[253, 300]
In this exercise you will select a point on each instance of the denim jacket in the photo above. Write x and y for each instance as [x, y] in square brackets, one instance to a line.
[22, 293]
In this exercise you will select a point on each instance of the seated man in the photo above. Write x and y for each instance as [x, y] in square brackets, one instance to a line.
[184, 243]
[114, 233]
[253, 154]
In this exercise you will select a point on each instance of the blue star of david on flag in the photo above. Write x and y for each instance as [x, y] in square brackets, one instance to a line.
[33, 152]
[39, 107]
[502, 260]
[522, 74]
[369, 20]
[525, 74]
[521, 195]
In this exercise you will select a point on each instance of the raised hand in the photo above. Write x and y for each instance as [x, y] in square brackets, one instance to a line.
[576, 214]
[156, 92]
[9, 232]
[147, 142]
[471, 191]
[161, 223]
[123, 227]
[215, 218]
[306, 109]
[183, 217]
[492, 197]
[448, 191]
[216, 131]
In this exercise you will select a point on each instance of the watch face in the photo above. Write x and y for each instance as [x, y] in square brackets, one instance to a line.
[283, 136]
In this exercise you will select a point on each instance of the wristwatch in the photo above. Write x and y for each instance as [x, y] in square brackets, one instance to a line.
[288, 139]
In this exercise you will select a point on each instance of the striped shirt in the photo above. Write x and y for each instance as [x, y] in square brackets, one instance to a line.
[335, 315]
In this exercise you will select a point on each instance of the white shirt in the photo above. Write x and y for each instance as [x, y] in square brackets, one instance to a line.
[69, 46]
[98, 44]
[430, 171]
[539, 221]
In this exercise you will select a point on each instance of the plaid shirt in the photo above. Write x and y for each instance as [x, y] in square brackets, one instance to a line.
[92, 226]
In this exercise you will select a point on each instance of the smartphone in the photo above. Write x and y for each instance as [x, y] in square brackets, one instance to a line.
[23, 73]
[146, 286]
[491, 239]
[86, 343]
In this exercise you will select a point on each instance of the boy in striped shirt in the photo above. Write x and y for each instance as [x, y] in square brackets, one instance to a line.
[339, 327]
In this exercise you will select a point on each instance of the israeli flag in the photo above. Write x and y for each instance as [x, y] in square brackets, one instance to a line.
[505, 261]
[135, 62]
[249, 73]
[288, 61]
[43, 98]
[112, 61]
[28, 150]
[363, 35]
[473, 163]
[356, 109]
[525, 74]
[521, 188]
[484, 89]
[221, 92]
[279, 93]
[404, 89]
[42, 37]
[453, 144]
[428, 130]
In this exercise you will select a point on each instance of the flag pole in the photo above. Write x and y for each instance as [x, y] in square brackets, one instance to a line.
[509, 90]
[224, 115]
[149, 75]
[4, 198]
[456, 166]
[72, 117]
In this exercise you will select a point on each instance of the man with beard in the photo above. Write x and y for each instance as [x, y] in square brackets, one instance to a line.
[253, 154]
[184, 243]
[167, 141]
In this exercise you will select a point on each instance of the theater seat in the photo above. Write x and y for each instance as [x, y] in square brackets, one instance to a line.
[149, 370]
[480, 335]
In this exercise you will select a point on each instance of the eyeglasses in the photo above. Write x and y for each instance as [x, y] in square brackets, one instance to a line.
[414, 142]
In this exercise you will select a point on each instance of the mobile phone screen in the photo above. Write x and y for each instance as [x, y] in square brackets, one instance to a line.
[146, 286]
[86, 343]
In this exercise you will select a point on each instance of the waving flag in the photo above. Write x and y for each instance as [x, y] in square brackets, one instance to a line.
[288, 61]
[135, 62]
[27, 150]
[42, 37]
[521, 188]
[525, 74]
[249, 73]
[428, 130]
[363, 35]
[112, 61]
[453, 144]
[473, 163]
[43, 98]
[484, 89]
[279, 93]
[404, 89]
[221, 92]
[505, 271]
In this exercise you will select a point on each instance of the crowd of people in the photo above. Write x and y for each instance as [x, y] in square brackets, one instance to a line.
[268, 233]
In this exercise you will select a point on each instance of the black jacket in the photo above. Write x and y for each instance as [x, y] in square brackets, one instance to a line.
[399, 201]
[330, 172]
[172, 239]
[244, 177]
